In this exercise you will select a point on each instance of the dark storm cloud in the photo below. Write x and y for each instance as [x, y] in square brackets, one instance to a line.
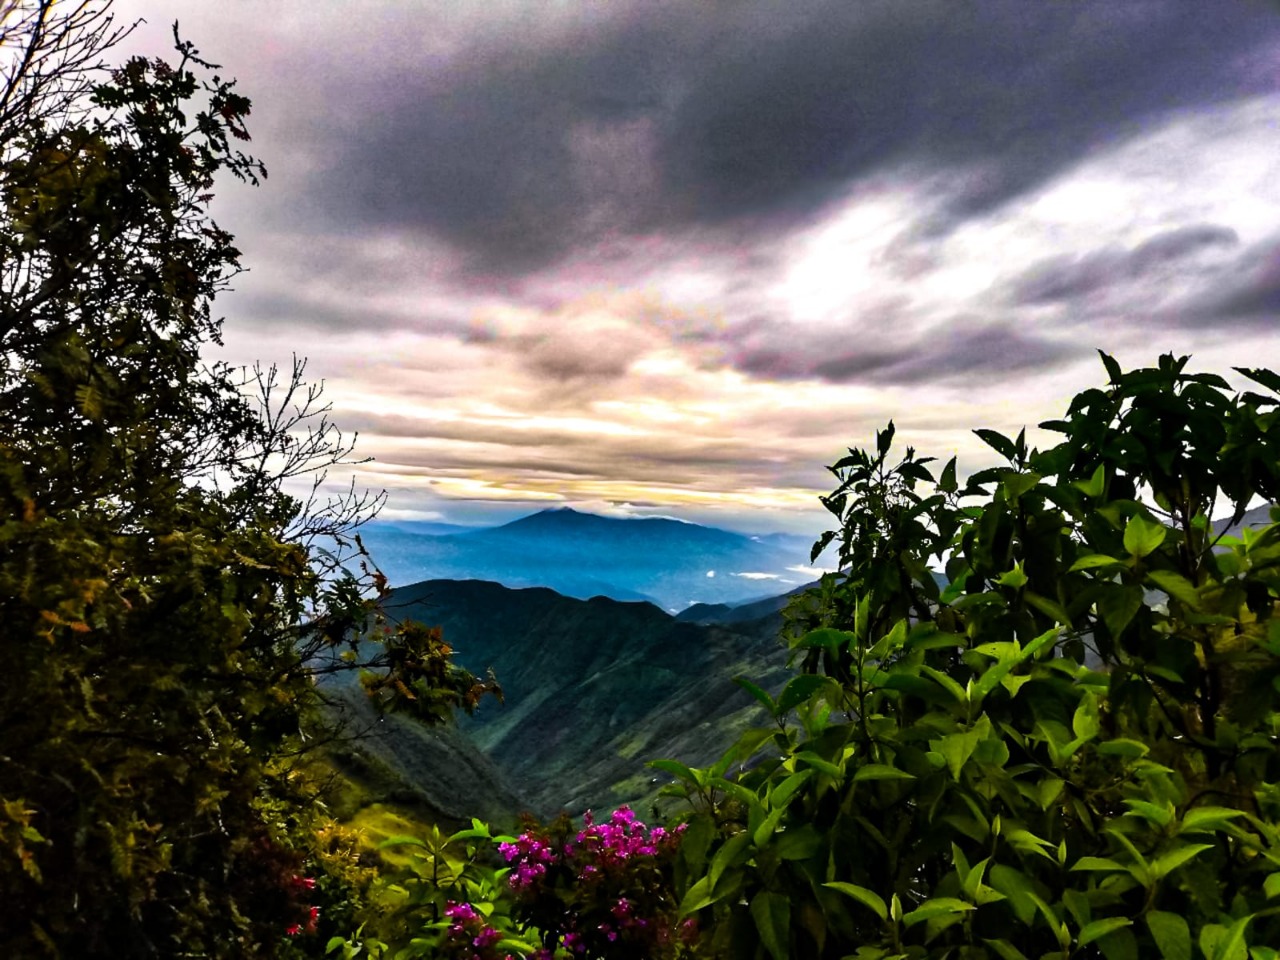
[295, 310]
[966, 347]
[1247, 296]
[665, 115]
[1067, 278]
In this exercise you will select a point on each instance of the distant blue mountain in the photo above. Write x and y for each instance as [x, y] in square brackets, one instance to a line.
[668, 562]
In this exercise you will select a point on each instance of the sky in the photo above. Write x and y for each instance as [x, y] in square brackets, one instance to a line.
[655, 258]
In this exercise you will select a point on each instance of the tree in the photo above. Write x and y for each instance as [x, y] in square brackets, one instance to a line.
[1068, 748]
[164, 602]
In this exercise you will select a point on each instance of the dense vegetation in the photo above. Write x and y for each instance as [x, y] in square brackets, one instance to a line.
[1072, 749]
[165, 603]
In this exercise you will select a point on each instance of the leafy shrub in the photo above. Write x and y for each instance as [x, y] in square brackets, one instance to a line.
[165, 604]
[605, 890]
[1072, 749]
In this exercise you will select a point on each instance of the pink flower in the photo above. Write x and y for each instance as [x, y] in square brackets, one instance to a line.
[486, 937]
[460, 911]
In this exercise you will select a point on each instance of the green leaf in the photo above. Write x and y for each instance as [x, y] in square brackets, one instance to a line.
[1142, 536]
[1113, 368]
[677, 770]
[508, 944]
[1094, 486]
[1078, 904]
[947, 482]
[1207, 819]
[764, 832]
[881, 771]
[1097, 863]
[772, 914]
[890, 642]
[697, 897]
[956, 749]
[479, 830]
[946, 682]
[1176, 586]
[937, 907]
[1158, 814]
[757, 692]
[1121, 747]
[1118, 604]
[1165, 864]
[821, 544]
[780, 795]
[798, 690]
[734, 851]
[1271, 886]
[1171, 934]
[1014, 684]
[1015, 485]
[819, 763]
[1267, 378]
[798, 843]
[1119, 945]
[1015, 578]
[1015, 885]
[826, 638]
[862, 895]
[955, 588]
[1093, 561]
[1005, 949]
[1047, 606]
[1222, 943]
[1085, 724]
[999, 443]
[1048, 790]
[1100, 928]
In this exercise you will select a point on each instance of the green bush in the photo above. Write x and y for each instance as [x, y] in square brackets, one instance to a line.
[1072, 749]
[165, 604]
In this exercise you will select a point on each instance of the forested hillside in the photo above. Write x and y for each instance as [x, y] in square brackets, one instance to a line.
[594, 688]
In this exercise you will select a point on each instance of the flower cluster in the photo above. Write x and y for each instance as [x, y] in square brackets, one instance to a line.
[620, 838]
[602, 891]
[469, 936]
[531, 856]
[304, 885]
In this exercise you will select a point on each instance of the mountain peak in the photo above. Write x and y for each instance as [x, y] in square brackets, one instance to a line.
[569, 518]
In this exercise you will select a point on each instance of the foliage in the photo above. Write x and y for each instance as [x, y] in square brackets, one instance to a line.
[1069, 750]
[165, 602]
[605, 890]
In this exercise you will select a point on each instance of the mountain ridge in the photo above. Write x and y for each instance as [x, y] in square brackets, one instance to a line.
[671, 563]
[594, 688]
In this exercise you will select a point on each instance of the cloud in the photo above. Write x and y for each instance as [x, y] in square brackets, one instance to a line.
[675, 257]
[963, 347]
[1068, 278]
[519, 146]
[1250, 294]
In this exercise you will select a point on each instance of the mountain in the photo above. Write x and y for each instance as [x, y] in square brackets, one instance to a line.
[594, 688]
[668, 562]
[436, 770]
[705, 613]
[1258, 516]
